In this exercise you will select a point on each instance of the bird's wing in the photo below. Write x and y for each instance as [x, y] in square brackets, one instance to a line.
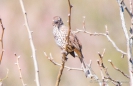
[75, 42]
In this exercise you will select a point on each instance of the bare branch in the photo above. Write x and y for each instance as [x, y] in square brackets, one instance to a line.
[20, 74]
[67, 41]
[125, 7]
[128, 41]
[69, 20]
[101, 65]
[104, 81]
[92, 75]
[1, 80]
[123, 20]
[1, 40]
[31, 44]
[50, 58]
[118, 69]
[103, 34]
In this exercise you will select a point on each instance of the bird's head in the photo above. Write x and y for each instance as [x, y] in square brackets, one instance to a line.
[57, 21]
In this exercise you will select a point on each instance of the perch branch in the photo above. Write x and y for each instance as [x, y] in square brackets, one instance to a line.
[20, 74]
[118, 69]
[67, 41]
[1, 40]
[91, 75]
[31, 44]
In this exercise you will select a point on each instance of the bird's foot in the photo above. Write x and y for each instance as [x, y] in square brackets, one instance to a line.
[65, 59]
[64, 52]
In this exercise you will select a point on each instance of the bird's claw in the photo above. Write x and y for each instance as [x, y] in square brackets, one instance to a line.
[64, 52]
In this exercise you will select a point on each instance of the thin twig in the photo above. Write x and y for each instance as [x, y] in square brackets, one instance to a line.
[6, 75]
[69, 21]
[20, 74]
[103, 34]
[104, 81]
[67, 41]
[1, 80]
[31, 44]
[101, 59]
[92, 74]
[101, 65]
[50, 58]
[118, 69]
[1, 40]
[84, 23]
[115, 82]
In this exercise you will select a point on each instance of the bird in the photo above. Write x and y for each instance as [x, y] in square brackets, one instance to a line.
[60, 32]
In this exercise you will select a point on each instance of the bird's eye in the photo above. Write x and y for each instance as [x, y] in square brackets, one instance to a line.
[56, 22]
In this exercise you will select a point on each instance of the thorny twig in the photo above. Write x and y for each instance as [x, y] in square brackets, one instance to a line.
[37, 80]
[20, 74]
[118, 69]
[1, 40]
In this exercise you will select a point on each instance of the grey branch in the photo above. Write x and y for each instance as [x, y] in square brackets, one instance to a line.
[103, 34]
[37, 80]
[128, 41]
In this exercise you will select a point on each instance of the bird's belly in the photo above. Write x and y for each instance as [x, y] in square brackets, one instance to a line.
[60, 39]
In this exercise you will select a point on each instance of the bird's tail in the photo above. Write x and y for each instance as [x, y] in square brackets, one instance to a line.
[85, 69]
[81, 57]
[82, 61]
